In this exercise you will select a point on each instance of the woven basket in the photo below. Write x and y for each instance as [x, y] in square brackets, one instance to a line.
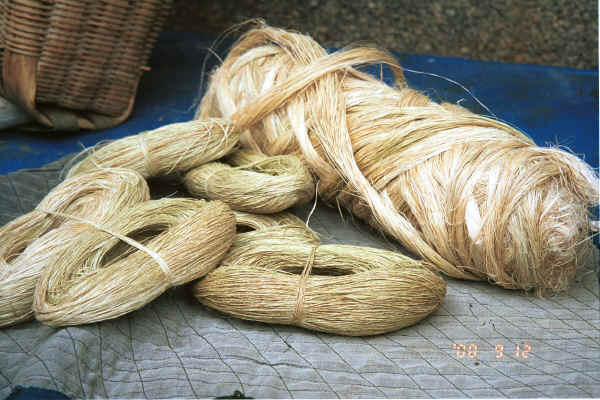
[76, 64]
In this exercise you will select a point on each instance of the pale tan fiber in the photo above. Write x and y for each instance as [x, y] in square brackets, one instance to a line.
[256, 183]
[269, 229]
[470, 194]
[171, 148]
[31, 243]
[261, 221]
[272, 276]
[99, 277]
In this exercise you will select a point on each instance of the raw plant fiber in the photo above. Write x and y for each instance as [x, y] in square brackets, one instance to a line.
[31, 243]
[349, 290]
[269, 229]
[173, 148]
[99, 277]
[470, 194]
[256, 183]
[262, 221]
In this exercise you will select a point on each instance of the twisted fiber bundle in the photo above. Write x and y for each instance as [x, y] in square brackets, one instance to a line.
[472, 195]
[258, 183]
[31, 242]
[276, 277]
[99, 278]
[171, 148]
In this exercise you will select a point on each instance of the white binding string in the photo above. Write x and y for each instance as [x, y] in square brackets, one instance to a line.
[163, 265]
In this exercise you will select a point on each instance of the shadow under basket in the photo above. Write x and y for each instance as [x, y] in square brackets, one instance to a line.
[76, 64]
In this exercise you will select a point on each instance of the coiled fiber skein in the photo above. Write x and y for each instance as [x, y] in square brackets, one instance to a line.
[472, 195]
[31, 243]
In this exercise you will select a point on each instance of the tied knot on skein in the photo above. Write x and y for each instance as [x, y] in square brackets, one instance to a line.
[150, 167]
[280, 273]
[472, 195]
[299, 309]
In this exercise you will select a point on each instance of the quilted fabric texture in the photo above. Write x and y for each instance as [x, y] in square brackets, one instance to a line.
[484, 341]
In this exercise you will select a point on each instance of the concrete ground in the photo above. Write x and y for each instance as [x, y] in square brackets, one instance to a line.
[549, 32]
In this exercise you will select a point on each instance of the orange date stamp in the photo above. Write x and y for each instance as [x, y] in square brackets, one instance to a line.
[471, 350]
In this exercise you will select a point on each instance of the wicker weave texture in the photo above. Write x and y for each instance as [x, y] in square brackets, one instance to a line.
[90, 53]
[3, 11]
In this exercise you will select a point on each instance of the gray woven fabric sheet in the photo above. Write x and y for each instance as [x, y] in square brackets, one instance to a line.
[484, 341]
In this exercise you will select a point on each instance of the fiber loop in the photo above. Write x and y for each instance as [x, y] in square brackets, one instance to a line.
[253, 182]
[173, 148]
[282, 275]
[159, 260]
[99, 277]
[32, 242]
